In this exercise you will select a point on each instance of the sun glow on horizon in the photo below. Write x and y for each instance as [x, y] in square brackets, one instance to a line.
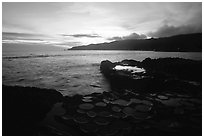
[75, 24]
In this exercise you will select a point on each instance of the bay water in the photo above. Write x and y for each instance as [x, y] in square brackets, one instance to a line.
[69, 72]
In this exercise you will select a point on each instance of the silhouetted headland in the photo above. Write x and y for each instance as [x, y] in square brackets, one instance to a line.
[151, 97]
[179, 43]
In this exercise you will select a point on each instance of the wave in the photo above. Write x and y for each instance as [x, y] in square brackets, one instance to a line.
[31, 56]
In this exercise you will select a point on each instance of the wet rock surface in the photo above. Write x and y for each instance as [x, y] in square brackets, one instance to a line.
[142, 114]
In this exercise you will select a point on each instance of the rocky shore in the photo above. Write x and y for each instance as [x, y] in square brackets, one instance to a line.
[153, 97]
[156, 74]
[23, 108]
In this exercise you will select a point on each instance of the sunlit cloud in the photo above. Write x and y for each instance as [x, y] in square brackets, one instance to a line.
[26, 38]
[82, 35]
[89, 22]
[128, 37]
[166, 30]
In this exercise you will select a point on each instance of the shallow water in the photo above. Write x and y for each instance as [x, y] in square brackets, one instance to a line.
[69, 72]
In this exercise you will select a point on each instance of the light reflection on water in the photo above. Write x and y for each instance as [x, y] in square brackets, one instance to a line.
[70, 72]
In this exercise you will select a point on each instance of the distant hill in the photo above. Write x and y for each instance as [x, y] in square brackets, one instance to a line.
[182, 43]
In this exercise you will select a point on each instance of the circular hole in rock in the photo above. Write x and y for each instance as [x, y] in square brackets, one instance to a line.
[104, 114]
[87, 97]
[87, 100]
[101, 121]
[116, 109]
[121, 102]
[119, 115]
[137, 101]
[86, 106]
[101, 104]
[91, 114]
[162, 97]
[143, 108]
[106, 101]
[81, 119]
[81, 111]
[128, 111]
[67, 117]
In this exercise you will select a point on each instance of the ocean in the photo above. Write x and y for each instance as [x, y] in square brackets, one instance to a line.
[69, 72]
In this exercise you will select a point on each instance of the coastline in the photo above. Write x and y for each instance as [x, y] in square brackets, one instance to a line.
[160, 112]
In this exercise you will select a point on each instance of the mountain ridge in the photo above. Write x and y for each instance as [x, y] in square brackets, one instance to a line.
[177, 43]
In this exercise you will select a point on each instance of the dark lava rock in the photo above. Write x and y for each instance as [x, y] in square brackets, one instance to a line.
[130, 63]
[106, 67]
[107, 131]
[77, 99]
[24, 107]
[157, 71]
[89, 128]
[120, 125]
[81, 119]
[52, 131]
[181, 68]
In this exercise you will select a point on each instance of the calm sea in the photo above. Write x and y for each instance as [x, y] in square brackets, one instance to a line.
[69, 72]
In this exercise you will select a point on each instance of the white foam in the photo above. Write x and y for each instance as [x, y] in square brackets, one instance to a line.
[132, 69]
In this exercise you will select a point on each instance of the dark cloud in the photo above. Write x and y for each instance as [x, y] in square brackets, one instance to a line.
[116, 38]
[131, 36]
[22, 37]
[16, 25]
[70, 43]
[28, 38]
[14, 35]
[17, 34]
[83, 35]
[168, 30]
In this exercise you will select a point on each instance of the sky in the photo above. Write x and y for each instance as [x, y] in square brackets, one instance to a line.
[71, 24]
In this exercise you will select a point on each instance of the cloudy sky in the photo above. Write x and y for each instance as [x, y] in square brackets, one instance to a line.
[73, 24]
